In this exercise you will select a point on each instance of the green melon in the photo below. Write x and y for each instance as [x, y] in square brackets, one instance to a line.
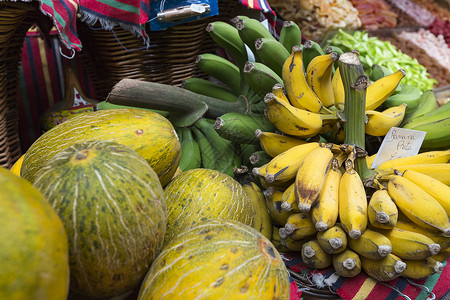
[201, 194]
[148, 133]
[114, 211]
[34, 255]
[217, 259]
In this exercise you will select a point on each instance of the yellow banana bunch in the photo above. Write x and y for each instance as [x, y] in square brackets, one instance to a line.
[419, 206]
[347, 263]
[385, 269]
[379, 123]
[284, 166]
[325, 212]
[314, 256]
[294, 245]
[382, 211]
[318, 76]
[352, 202]
[382, 89]
[298, 226]
[438, 238]
[333, 240]
[311, 177]
[439, 172]
[419, 269]
[371, 244]
[299, 93]
[273, 143]
[410, 245]
[429, 157]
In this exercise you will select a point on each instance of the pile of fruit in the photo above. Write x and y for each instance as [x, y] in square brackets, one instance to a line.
[165, 192]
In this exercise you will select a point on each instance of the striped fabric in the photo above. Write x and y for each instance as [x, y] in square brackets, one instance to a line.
[362, 287]
[263, 6]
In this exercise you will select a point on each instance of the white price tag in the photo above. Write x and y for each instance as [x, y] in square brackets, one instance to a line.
[399, 142]
[198, 8]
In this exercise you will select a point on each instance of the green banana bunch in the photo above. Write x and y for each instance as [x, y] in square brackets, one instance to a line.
[378, 71]
[250, 30]
[240, 128]
[427, 104]
[260, 77]
[190, 150]
[226, 154]
[209, 88]
[272, 53]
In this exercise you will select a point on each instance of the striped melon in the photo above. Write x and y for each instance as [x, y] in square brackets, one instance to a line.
[217, 259]
[148, 133]
[34, 256]
[200, 194]
[114, 211]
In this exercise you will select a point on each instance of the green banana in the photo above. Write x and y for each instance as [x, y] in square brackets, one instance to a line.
[226, 153]
[190, 150]
[209, 88]
[427, 104]
[311, 49]
[250, 30]
[436, 115]
[290, 35]
[246, 151]
[438, 133]
[102, 105]
[260, 77]
[227, 36]
[259, 158]
[378, 71]
[240, 127]
[408, 94]
[271, 53]
[221, 69]
[207, 153]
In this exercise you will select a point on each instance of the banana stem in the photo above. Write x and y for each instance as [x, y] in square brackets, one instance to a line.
[355, 86]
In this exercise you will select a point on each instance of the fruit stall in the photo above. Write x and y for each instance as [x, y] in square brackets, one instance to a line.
[225, 149]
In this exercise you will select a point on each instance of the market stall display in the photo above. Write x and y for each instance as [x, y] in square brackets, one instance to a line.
[267, 166]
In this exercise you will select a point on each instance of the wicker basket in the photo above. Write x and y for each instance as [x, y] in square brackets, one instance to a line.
[170, 59]
[15, 20]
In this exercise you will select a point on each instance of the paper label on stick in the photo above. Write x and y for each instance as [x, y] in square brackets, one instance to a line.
[399, 142]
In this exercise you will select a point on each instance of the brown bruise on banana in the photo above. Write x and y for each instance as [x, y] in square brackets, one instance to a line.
[93, 237]
[235, 262]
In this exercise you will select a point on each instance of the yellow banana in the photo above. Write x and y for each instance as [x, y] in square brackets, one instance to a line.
[438, 238]
[370, 159]
[379, 123]
[273, 143]
[418, 205]
[298, 91]
[347, 263]
[311, 176]
[434, 187]
[429, 157]
[382, 89]
[278, 91]
[371, 244]
[442, 256]
[262, 222]
[326, 211]
[338, 90]
[291, 120]
[314, 256]
[385, 269]
[273, 201]
[419, 269]
[277, 185]
[439, 172]
[284, 166]
[381, 210]
[410, 245]
[318, 76]
[352, 202]
[288, 201]
[276, 240]
[298, 226]
[294, 245]
[333, 240]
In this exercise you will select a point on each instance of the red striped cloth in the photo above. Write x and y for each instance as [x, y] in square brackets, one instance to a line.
[363, 287]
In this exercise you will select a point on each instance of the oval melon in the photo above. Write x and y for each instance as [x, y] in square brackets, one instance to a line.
[113, 208]
[148, 133]
[201, 194]
[217, 259]
[34, 256]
